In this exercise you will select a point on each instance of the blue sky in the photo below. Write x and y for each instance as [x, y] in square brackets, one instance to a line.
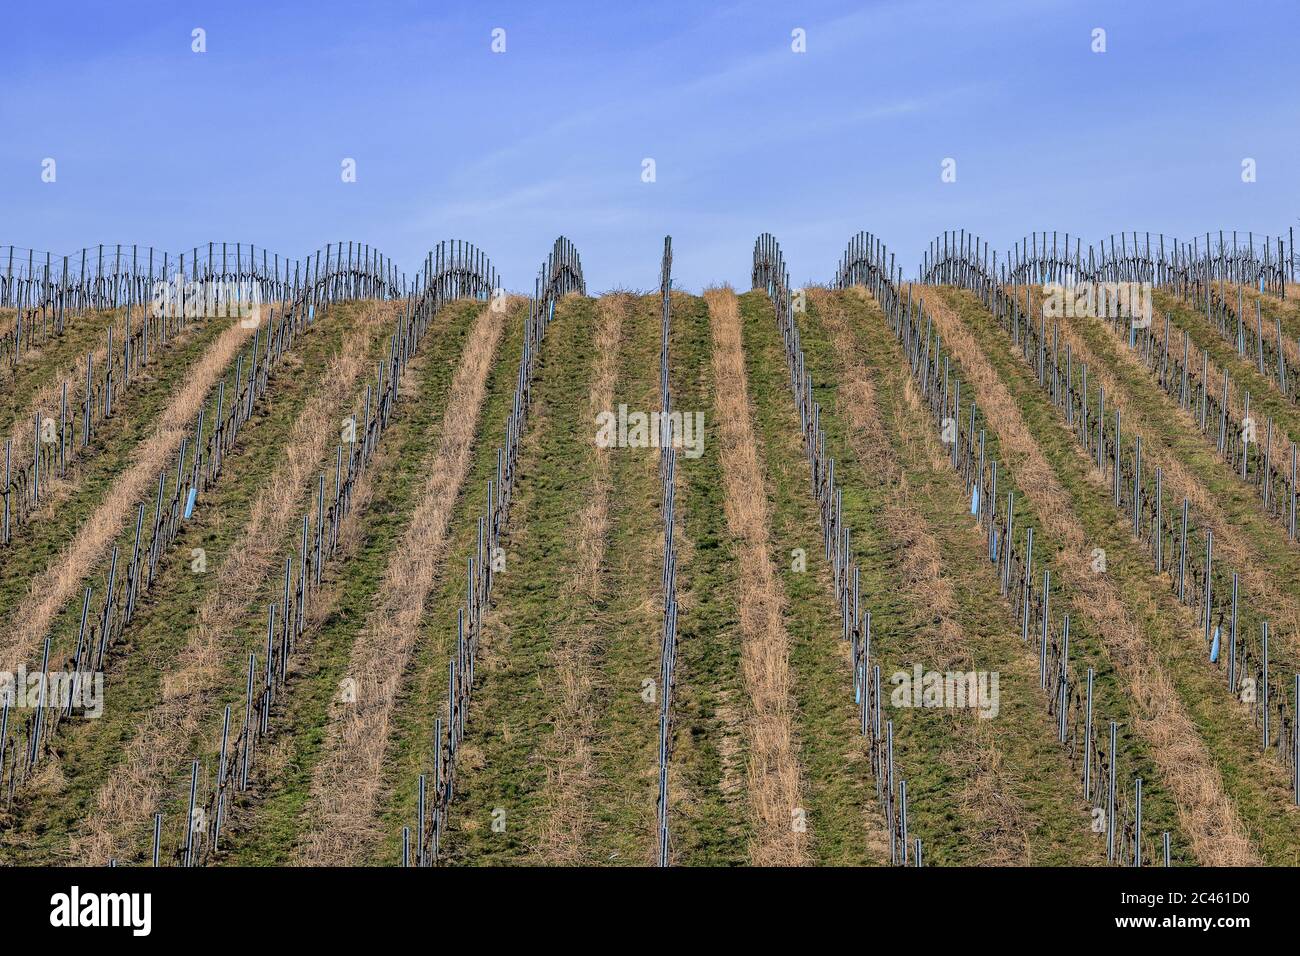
[159, 145]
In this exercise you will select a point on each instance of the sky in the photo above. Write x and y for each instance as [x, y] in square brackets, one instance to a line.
[157, 144]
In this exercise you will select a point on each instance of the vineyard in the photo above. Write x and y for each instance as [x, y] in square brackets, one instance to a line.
[318, 562]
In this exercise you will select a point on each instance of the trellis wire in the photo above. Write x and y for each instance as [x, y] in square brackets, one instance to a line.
[561, 274]
[195, 472]
[771, 276]
[1267, 266]
[1264, 349]
[1260, 463]
[453, 270]
[1192, 384]
[668, 578]
[867, 262]
[363, 272]
[1252, 668]
[102, 384]
[42, 287]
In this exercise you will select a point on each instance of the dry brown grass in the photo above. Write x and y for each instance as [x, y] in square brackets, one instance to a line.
[166, 733]
[61, 579]
[1288, 310]
[273, 762]
[342, 825]
[568, 755]
[1214, 383]
[1231, 544]
[774, 773]
[985, 796]
[56, 489]
[47, 400]
[922, 563]
[1206, 814]
[29, 357]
